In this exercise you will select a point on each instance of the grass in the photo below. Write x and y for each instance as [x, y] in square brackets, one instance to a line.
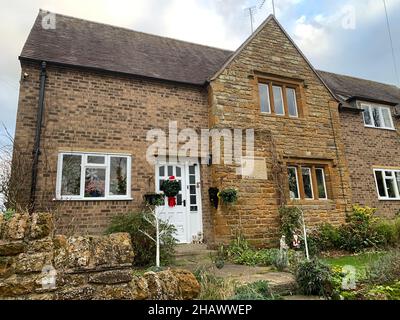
[359, 261]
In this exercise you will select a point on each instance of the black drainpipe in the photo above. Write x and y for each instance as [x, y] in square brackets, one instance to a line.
[36, 149]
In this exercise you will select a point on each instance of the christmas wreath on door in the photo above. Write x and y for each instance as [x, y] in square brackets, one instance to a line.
[171, 188]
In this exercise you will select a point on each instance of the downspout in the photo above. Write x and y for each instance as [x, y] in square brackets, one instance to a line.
[36, 149]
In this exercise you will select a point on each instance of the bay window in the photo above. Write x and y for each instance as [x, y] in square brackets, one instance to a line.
[93, 176]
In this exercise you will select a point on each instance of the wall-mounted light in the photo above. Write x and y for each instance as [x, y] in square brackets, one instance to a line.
[209, 159]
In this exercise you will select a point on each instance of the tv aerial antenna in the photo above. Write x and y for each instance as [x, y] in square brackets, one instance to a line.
[251, 11]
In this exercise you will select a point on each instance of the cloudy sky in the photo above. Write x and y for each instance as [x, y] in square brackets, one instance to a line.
[343, 36]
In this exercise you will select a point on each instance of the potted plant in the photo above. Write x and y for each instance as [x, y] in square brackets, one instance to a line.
[154, 199]
[228, 196]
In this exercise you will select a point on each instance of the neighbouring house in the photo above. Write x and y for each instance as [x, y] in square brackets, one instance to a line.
[370, 121]
[90, 94]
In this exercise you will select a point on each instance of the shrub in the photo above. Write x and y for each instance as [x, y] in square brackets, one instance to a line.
[385, 270]
[388, 292]
[290, 222]
[359, 233]
[258, 290]
[145, 249]
[213, 287]
[386, 232]
[228, 196]
[314, 278]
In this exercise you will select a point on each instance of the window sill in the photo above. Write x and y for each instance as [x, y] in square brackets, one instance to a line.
[389, 199]
[282, 116]
[310, 201]
[93, 199]
[379, 128]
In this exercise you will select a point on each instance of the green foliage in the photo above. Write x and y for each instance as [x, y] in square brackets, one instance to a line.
[314, 278]
[154, 199]
[213, 287]
[240, 252]
[281, 261]
[145, 249]
[385, 292]
[8, 214]
[219, 258]
[228, 196]
[258, 290]
[388, 232]
[290, 222]
[385, 270]
[170, 187]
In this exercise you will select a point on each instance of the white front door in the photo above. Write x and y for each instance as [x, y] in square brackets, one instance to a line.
[186, 215]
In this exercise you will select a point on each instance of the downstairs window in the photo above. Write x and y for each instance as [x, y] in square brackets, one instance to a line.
[387, 184]
[93, 176]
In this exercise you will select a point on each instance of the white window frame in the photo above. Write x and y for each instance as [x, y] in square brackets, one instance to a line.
[323, 180]
[396, 188]
[297, 183]
[268, 96]
[368, 108]
[295, 102]
[84, 166]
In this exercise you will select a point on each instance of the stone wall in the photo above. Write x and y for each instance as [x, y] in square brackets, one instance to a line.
[82, 267]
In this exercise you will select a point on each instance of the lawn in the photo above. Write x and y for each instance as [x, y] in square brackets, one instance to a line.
[359, 261]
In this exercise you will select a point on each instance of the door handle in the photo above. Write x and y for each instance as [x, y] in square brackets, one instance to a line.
[184, 203]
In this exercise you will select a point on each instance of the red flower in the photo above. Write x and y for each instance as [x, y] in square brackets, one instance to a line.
[172, 178]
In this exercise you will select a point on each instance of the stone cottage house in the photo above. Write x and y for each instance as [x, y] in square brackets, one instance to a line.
[90, 94]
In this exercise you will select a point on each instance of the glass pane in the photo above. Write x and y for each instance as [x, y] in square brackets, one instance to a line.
[291, 100]
[264, 97]
[192, 199]
[293, 190]
[95, 182]
[118, 175]
[193, 208]
[321, 183]
[278, 100]
[192, 189]
[367, 116]
[398, 181]
[192, 179]
[161, 171]
[390, 184]
[160, 182]
[95, 159]
[178, 172]
[71, 175]
[376, 116]
[380, 183]
[179, 199]
[192, 170]
[307, 183]
[170, 170]
[386, 118]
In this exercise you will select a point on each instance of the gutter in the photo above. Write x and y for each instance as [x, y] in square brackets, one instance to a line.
[36, 149]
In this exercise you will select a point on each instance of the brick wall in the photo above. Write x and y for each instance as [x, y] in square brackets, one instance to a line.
[89, 111]
[314, 135]
[367, 148]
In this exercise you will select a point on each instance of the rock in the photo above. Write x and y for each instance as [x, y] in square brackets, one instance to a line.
[17, 285]
[75, 253]
[11, 248]
[71, 279]
[111, 250]
[156, 288]
[16, 227]
[32, 262]
[111, 277]
[42, 245]
[190, 287]
[7, 266]
[42, 225]
[80, 293]
[2, 223]
[172, 289]
[139, 288]
[118, 292]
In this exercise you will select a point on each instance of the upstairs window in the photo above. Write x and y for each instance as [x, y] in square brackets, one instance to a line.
[278, 98]
[387, 184]
[376, 116]
[307, 182]
[93, 176]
